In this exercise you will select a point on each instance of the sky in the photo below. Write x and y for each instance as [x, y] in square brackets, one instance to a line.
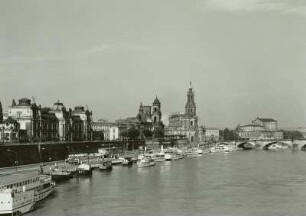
[245, 58]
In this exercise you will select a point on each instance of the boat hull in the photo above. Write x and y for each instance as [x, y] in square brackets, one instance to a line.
[140, 165]
[58, 178]
[38, 200]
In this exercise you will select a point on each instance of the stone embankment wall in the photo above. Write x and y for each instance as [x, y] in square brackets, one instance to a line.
[36, 153]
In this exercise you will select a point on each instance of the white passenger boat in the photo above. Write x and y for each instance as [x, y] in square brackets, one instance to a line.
[84, 169]
[194, 152]
[173, 154]
[220, 148]
[116, 160]
[158, 157]
[145, 162]
[22, 192]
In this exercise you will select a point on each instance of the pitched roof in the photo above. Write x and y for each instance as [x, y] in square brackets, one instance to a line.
[156, 101]
[251, 125]
[266, 119]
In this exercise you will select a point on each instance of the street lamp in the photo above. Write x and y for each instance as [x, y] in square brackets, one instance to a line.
[16, 158]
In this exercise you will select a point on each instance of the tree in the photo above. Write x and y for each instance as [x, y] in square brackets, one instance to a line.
[147, 133]
[133, 133]
[130, 133]
[292, 135]
[1, 113]
[124, 133]
[159, 132]
[229, 135]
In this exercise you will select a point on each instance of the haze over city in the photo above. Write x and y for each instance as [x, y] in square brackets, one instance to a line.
[244, 59]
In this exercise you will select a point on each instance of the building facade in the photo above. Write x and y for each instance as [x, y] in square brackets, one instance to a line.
[86, 118]
[109, 130]
[260, 129]
[267, 123]
[9, 131]
[211, 134]
[150, 117]
[186, 124]
[35, 123]
[62, 115]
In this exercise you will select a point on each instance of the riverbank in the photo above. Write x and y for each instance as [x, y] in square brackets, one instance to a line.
[31, 153]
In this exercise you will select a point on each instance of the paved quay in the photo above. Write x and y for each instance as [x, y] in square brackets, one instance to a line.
[29, 167]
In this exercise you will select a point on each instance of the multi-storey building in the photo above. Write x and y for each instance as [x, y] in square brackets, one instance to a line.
[35, 123]
[63, 117]
[110, 130]
[211, 134]
[260, 129]
[267, 123]
[185, 125]
[50, 124]
[76, 128]
[86, 117]
[9, 131]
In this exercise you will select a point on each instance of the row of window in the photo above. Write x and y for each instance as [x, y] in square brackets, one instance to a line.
[23, 183]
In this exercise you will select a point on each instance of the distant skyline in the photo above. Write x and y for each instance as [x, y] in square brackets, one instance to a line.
[245, 58]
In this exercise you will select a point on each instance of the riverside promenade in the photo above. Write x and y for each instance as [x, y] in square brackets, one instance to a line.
[28, 168]
[31, 153]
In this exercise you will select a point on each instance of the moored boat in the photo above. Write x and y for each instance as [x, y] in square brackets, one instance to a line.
[84, 169]
[159, 157]
[106, 165]
[22, 192]
[145, 162]
[220, 148]
[127, 161]
[194, 152]
[60, 175]
[173, 154]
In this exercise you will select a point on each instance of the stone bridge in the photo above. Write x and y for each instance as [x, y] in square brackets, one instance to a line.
[264, 145]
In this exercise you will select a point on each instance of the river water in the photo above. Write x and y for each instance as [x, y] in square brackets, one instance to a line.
[240, 183]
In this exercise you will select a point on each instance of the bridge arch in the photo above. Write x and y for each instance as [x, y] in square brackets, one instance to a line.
[246, 146]
[266, 146]
[303, 148]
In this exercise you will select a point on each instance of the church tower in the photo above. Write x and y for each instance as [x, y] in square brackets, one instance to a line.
[140, 112]
[190, 108]
[156, 111]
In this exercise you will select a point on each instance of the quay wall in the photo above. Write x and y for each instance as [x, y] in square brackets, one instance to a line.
[28, 153]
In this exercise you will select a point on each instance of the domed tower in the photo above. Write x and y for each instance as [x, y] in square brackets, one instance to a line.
[190, 108]
[156, 111]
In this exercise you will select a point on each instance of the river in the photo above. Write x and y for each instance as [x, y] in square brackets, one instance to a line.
[240, 183]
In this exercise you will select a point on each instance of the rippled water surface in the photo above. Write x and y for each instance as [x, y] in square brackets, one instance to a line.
[241, 183]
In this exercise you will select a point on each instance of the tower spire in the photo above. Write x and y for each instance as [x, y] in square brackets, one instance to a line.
[190, 108]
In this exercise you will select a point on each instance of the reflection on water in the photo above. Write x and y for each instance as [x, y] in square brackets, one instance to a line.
[241, 183]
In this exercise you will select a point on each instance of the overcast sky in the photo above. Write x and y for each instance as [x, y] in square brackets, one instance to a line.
[245, 58]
